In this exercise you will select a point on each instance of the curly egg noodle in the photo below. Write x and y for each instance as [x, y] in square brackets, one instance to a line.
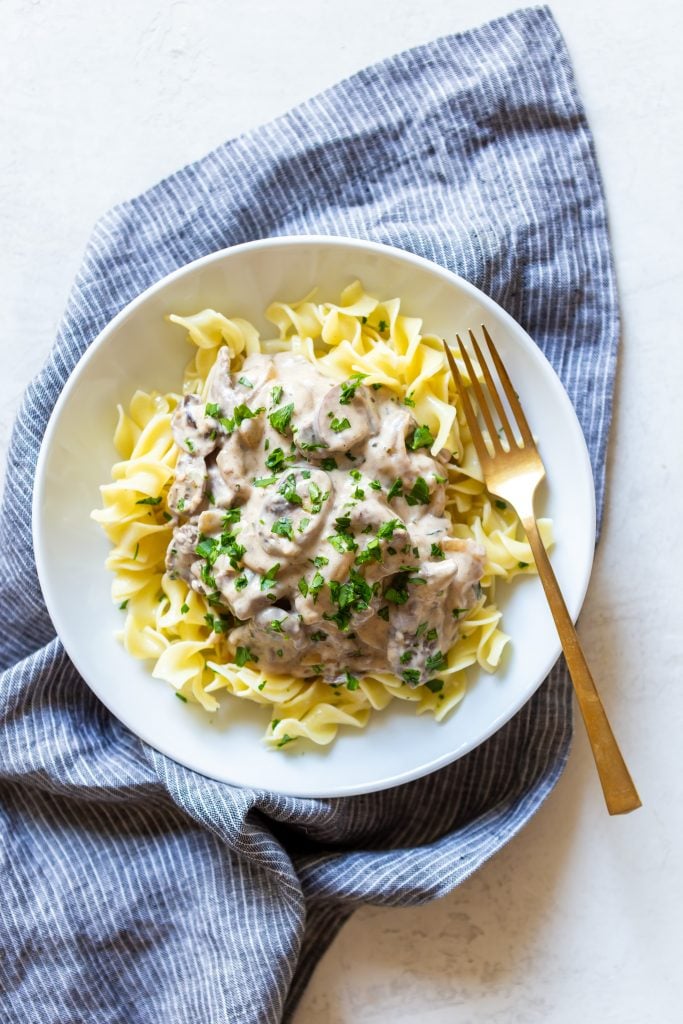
[169, 623]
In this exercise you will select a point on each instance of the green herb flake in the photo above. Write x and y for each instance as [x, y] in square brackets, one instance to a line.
[231, 515]
[241, 582]
[124, 605]
[395, 490]
[338, 425]
[411, 676]
[264, 481]
[382, 326]
[523, 565]
[437, 552]
[303, 523]
[421, 438]
[434, 685]
[148, 501]
[276, 625]
[351, 682]
[245, 382]
[136, 552]
[406, 657]
[383, 613]
[285, 740]
[359, 494]
[283, 528]
[311, 446]
[419, 494]
[181, 697]
[435, 662]
[189, 444]
[328, 464]
[184, 609]
[243, 655]
[180, 504]
[212, 409]
[386, 530]
[319, 561]
[303, 587]
[288, 490]
[318, 636]
[268, 580]
[501, 504]
[409, 401]
[349, 388]
[262, 685]
[281, 418]
[376, 485]
[276, 394]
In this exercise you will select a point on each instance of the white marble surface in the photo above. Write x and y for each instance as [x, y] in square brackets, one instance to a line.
[579, 918]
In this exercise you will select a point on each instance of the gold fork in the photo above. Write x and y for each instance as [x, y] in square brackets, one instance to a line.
[513, 472]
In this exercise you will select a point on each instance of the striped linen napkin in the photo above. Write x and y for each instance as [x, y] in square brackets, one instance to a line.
[134, 890]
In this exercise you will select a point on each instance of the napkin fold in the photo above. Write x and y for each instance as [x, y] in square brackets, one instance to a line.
[134, 890]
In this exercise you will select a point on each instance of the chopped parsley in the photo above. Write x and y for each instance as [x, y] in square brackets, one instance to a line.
[319, 561]
[396, 489]
[382, 326]
[283, 528]
[268, 580]
[383, 613]
[241, 582]
[276, 625]
[243, 655]
[231, 515]
[349, 388]
[315, 585]
[213, 409]
[376, 485]
[434, 685]
[339, 425]
[288, 490]
[263, 481]
[245, 382]
[409, 401]
[181, 697]
[303, 523]
[523, 565]
[281, 418]
[124, 605]
[303, 587]
[386, 530]
[501, 504]
[352, 596]
[372, 553]
[318, 636]
[437, 552]
[419, 495]
[276, 394]
[180, 504]
[148, 501]
[184, 608]
[411, 676]
[422, 437]
[189, 444]
[311, 446]
[406, 657]
[435, 662]
[317, 497]
[328, 464]
[262, 686]
[136, 552]
[457, 612]
[285, 740]
[351, 682]
[277, 459]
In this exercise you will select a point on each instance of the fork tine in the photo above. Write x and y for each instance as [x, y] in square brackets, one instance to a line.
[481, 398]
[510, 392]
[493, 391]
[470, 415]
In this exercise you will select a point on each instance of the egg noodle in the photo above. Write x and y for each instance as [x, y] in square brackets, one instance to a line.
[171, 624]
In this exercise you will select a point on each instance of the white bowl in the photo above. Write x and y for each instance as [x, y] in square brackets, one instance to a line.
[139, 349]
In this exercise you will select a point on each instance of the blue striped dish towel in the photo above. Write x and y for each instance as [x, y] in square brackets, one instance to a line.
[134, 890]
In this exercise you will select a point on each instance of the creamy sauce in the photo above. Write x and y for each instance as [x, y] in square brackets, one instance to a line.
[311, 516]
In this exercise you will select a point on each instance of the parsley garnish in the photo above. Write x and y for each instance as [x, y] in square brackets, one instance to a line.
[406, 657]
[303, 587]
[263, 481]
[422, 438]
[268, 580]
[232, 515]
[411, 676]
[386, 530]
[285, 739]
[523, 565]
[376, 485]
[280, 419]
[288, 490]
[328, 464]
[277, 459]
[501, 504]
[184, 609]
[419, 494]
[124, 605]
[396, 489]
[243, 655]
[189, 444]
[180, 504]
[245, 382]
[241, 582]
[382, 326]
[339, 425]
[409, 401]
[372, 553]
[319, 561]
[317, 497]
[212, 409]
[283, 527]
[137, 549]
[434, 685]
[435, 662]
[276, 394]
[311, 446]
[318, 636]
[276, 625]
[148, 501]
[181, 697]
[349, 387]
[351, 682]
[437, 552]
[383, 613]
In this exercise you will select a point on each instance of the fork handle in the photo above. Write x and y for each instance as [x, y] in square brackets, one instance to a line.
[620, 793]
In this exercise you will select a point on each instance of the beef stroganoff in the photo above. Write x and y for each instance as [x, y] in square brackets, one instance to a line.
[306, 526]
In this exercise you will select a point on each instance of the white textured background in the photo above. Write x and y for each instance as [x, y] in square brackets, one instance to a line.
[579, 919]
